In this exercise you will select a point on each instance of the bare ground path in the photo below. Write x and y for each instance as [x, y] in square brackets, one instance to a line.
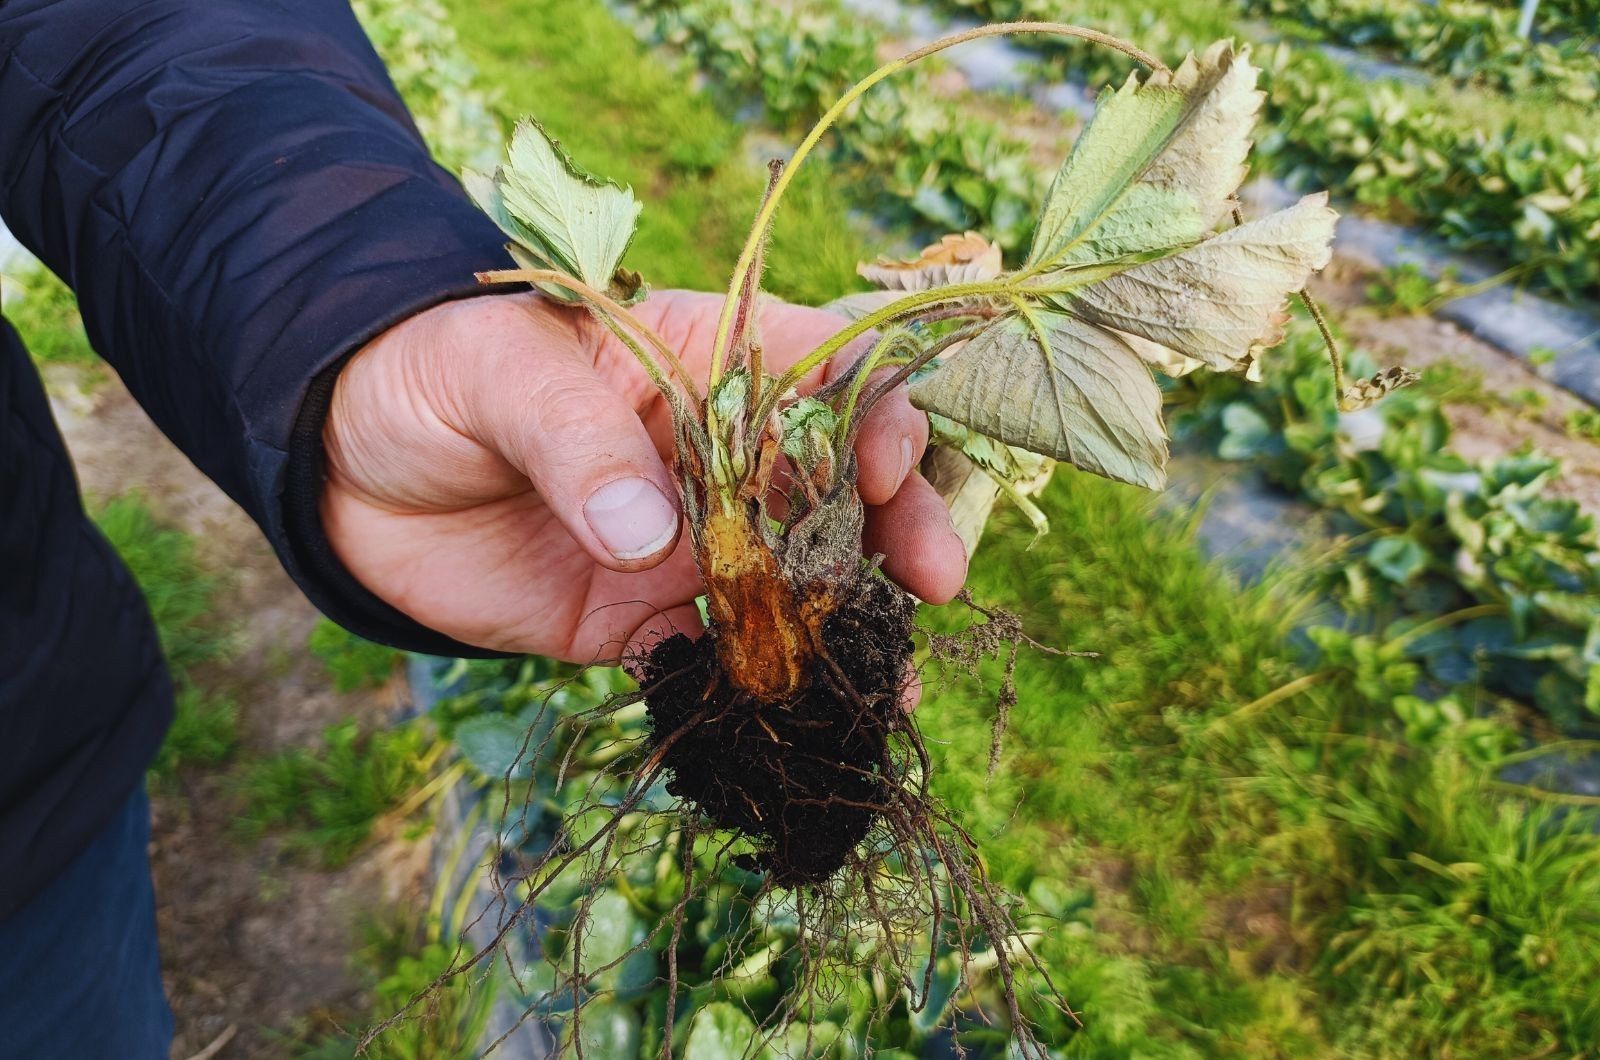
[250, 937]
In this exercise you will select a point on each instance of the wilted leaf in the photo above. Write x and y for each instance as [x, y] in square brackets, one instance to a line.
[1366, 392]
[558, 215]
[1157, 166]
[1057, 386]
[954, 259]
[1220, 300]
[969, 472]
[1168, 362]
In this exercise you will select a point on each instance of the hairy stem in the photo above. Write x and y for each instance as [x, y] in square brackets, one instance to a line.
[769, 205]
[887, 315]
[858, 376]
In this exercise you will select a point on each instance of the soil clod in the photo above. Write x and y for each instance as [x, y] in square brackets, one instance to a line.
[804, 777]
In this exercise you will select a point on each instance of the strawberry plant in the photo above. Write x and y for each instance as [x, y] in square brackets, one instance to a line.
[781, 732]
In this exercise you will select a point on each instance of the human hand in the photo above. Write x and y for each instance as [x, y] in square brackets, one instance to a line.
[495, 471]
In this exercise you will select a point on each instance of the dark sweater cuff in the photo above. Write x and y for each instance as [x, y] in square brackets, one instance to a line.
[299, 476]
[312, 561]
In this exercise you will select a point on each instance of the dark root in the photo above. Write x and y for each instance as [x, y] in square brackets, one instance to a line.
[803, 832]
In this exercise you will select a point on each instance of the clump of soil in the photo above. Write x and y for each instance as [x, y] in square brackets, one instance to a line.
[807, 776]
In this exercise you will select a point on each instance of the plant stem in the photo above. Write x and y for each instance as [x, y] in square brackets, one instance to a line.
[1526, 791]
[1335, 358]
[909, 365]
[888, 314]
[1568, 747]
[769, 205]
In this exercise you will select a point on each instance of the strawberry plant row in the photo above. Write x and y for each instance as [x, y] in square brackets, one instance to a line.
[1514, 185]
[1466, 41]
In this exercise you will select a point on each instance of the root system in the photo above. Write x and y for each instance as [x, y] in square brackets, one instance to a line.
[805, 776]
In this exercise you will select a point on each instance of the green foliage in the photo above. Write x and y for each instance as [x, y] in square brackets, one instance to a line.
[204, 732]
[943, 164]
[438, 83]
[1406, 289]
[179, 593]
[1467, 41]
[402, 959]
[1482, 174]
[630, 116]
[175, 587]
[352, 661]
[1584, 423]
[45, 312]
[1431, 533]
[327, 799]
[1193, 804]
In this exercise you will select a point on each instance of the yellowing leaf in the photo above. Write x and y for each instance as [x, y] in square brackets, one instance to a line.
[1157, 166]
[1219, 300]
[558, 215]
[954, 259]
[1054, 385]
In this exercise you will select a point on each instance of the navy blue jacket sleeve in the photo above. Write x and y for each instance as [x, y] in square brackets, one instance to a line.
[240, 201]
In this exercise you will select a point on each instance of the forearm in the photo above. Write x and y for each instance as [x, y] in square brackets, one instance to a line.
[240, 202]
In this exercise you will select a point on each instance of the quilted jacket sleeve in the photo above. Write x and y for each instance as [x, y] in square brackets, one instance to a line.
[240, 200]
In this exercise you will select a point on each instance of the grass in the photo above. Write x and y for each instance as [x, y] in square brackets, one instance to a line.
[328, 799]
[352, 662]
[1460, 106]
[179, 593]
[626, 114]
[1313, 878]
[45, 313]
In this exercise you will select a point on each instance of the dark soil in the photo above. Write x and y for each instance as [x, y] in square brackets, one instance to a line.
[805, 778]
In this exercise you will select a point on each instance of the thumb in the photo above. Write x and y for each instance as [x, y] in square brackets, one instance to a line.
[536, 399]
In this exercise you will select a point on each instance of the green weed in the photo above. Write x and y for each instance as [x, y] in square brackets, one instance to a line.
[179, 593]
[45, 312]
[1584, 423]
[352, 661]
[401, 959]
[326, 800]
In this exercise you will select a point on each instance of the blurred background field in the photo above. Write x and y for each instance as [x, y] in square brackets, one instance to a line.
[1328, 787]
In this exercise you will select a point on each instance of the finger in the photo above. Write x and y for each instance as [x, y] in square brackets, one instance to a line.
[911, 691]
[684, 619]
[536, 399]
[892, 436]
[920, 548]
